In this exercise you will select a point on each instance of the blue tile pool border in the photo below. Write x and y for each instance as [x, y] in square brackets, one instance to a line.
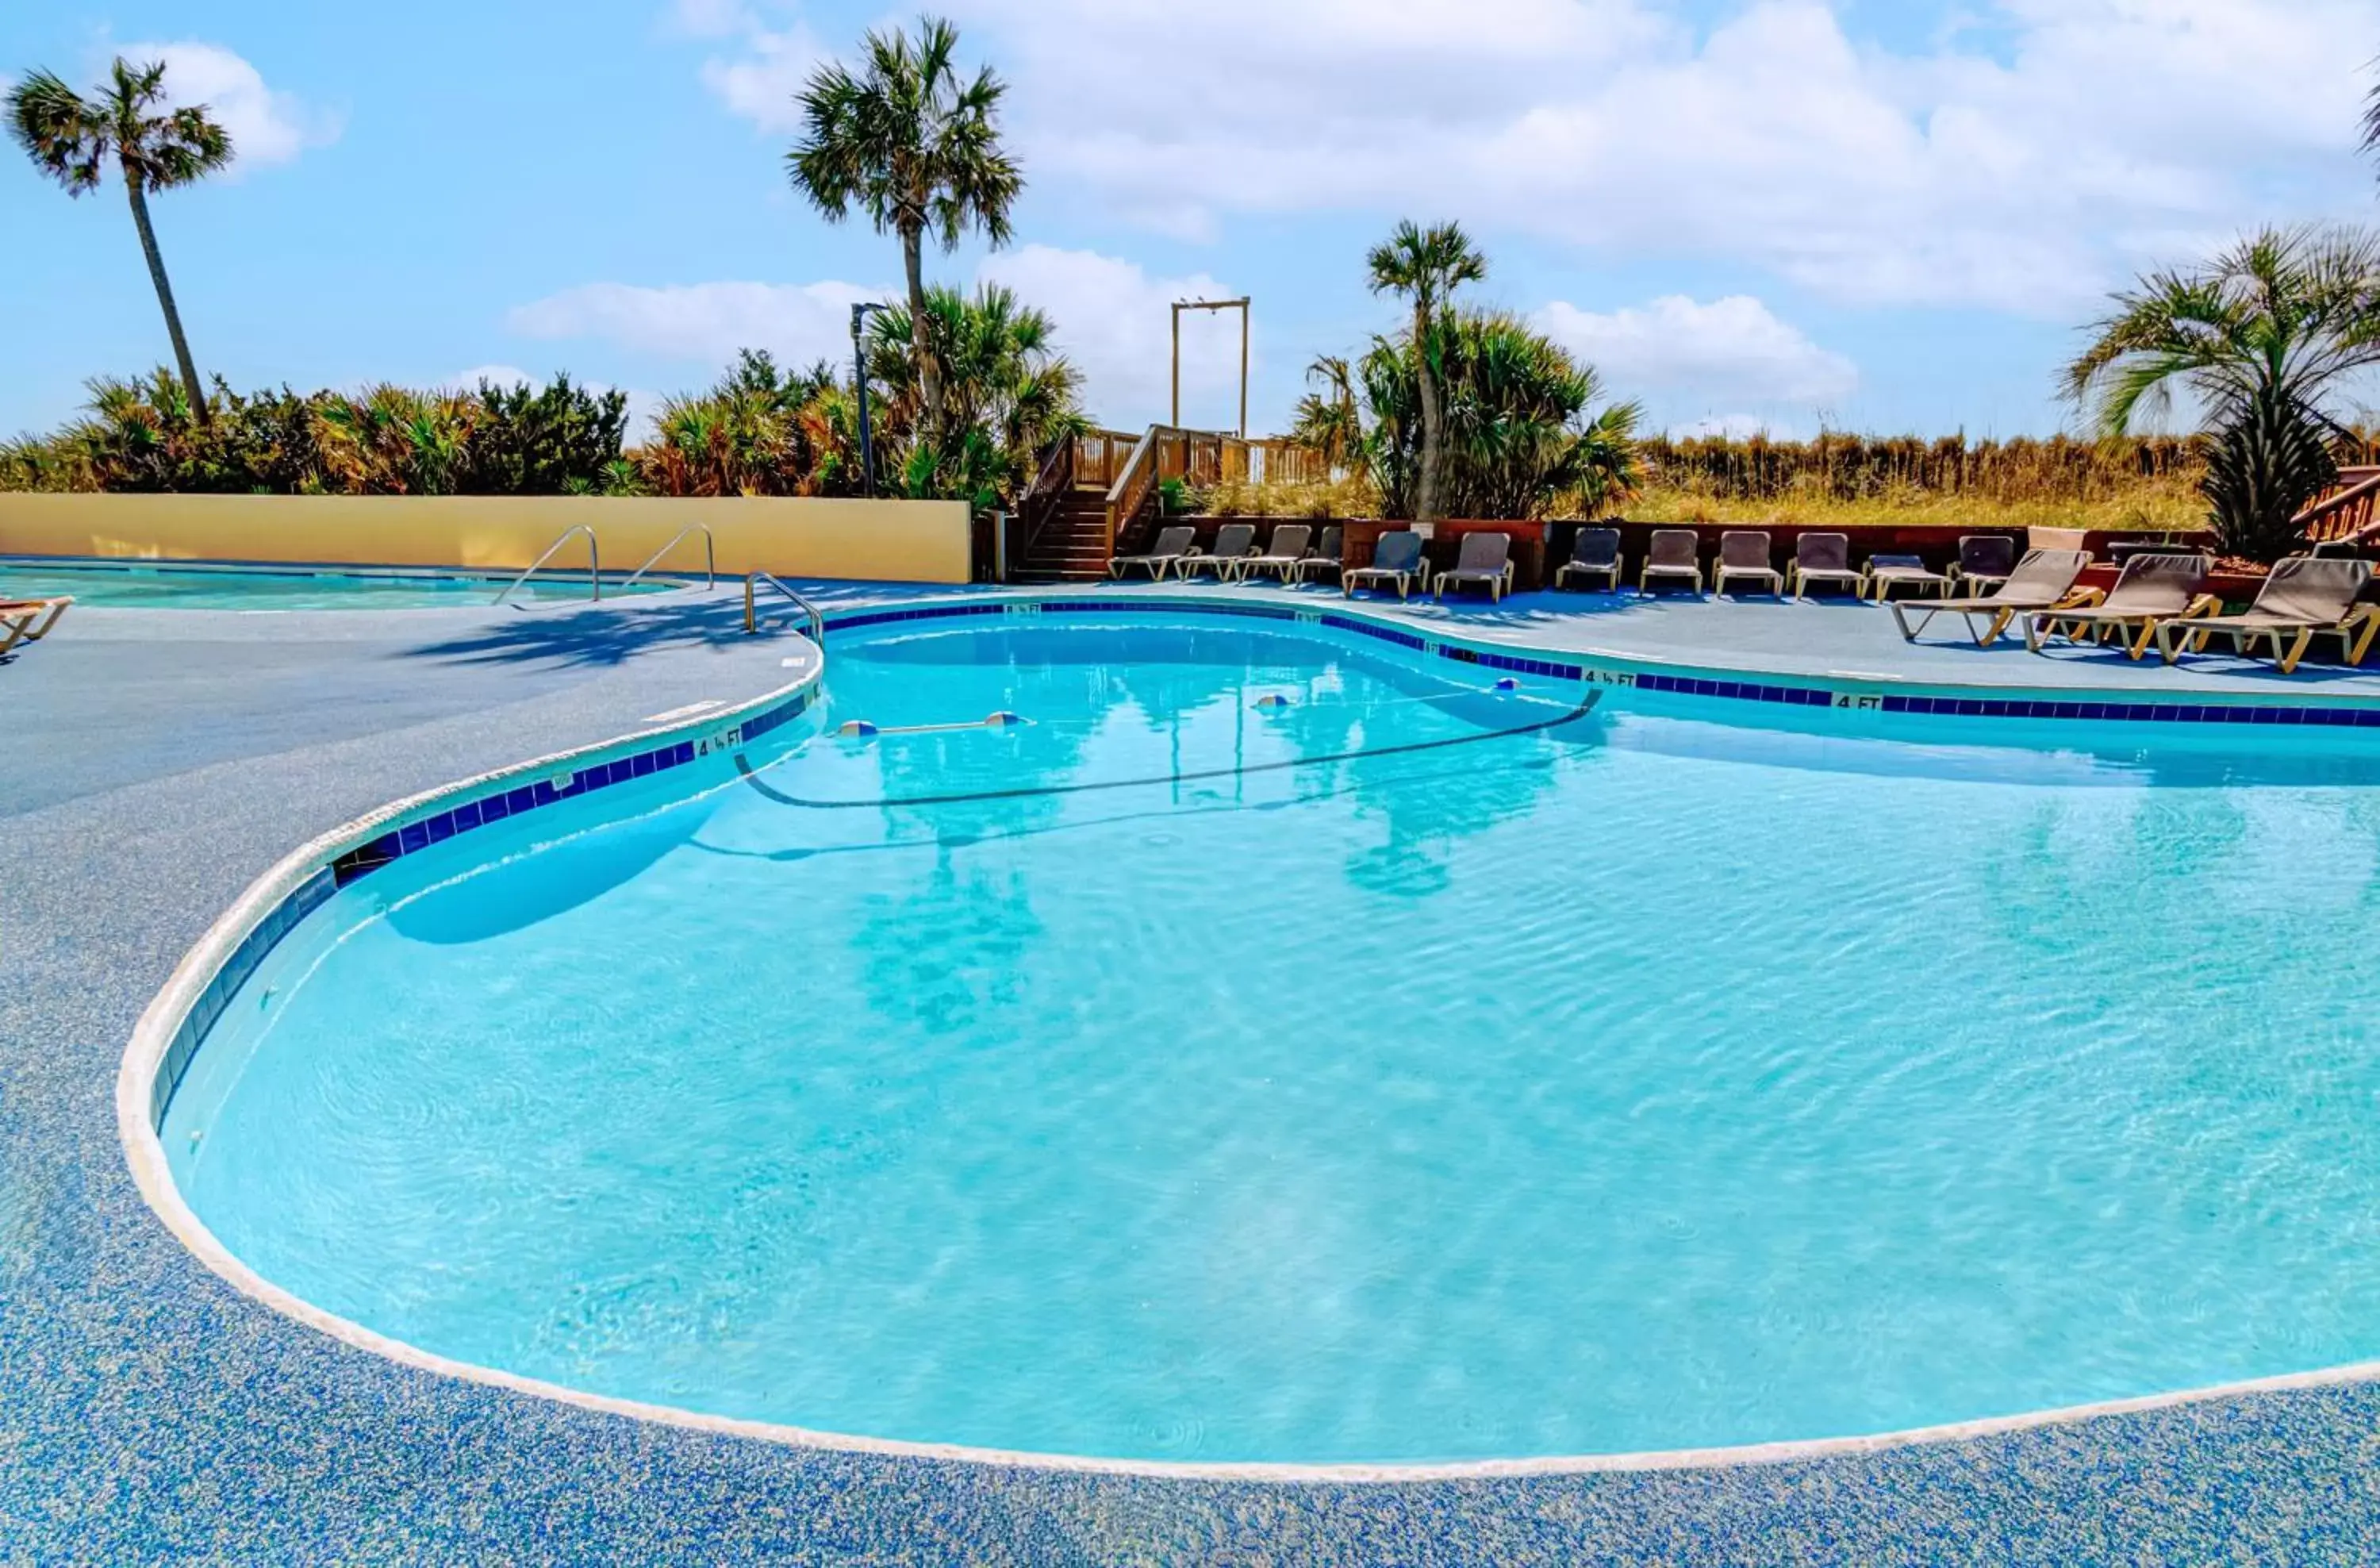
[514, 793]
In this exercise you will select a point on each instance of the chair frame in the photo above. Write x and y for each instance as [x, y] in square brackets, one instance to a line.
[26, 621]
[1613, 574]
[1652, 568]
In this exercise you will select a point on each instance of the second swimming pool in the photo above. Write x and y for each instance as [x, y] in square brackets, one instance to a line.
[1276, 1048]
[150, 584]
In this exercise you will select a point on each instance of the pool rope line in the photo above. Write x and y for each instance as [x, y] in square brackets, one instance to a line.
[942, 842]
[1180, 776]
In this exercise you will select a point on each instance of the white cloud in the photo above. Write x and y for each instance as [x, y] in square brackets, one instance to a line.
[1115, 322]
[495, 375]
[1112, 319]
[703, 322]
[1736, 427]
[770, 65]
[2024, 163]
[1730, 352]
[266, 127]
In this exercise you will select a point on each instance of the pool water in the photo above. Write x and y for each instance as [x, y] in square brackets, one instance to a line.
[1523, 1082]
[147, 585]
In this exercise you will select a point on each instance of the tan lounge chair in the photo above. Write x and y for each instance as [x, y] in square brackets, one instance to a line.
[1397, 562]
[1486, 562]
[1173, 545]
[1821, 558]
[2304, 597]
[2151, 588]
[1282, 555]
[1235, 545]
[1594, 553]
[1674, 553]
[1886, 573]
[1985, 561]
[28, 620]
[1325, 555]
[1744, 552]
[2042, 580]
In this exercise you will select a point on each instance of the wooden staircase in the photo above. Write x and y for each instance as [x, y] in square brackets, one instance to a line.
[2344, 514]
[1072, 545]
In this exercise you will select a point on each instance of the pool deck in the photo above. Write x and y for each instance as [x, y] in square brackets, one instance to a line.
[157, 761]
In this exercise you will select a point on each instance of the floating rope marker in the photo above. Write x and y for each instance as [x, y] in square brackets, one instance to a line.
[860, 729]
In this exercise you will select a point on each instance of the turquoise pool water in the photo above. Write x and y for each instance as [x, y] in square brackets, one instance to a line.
[1523, 1082]
[145, 585]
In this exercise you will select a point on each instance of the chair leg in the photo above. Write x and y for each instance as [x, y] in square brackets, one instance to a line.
[2288, 661]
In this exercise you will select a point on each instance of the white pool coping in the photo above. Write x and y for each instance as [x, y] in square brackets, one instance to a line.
[144, 1150]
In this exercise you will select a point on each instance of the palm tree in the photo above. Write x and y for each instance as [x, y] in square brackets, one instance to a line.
[1003, 381]
[1426, 264]
[71, 138]
[2265, 338]
[916, 148]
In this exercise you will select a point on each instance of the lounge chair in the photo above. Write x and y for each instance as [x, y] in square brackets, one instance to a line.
[28, 620]
[1324, 556]
[1282, 555]
[1985, 561]
[1674, 553]
[2042, 580]
[2304, 597]
[1744, 552]
[1594, 553]
[2150, 588]
[1172, 545]
[1886, 573]
[1486, 562]
[1822, 558]
[1235, 545]
[1397, 562]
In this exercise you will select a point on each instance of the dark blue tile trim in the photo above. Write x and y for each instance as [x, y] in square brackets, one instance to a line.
[302, 901]
[395, 844]
[2098, 711]
[1374, 630]
[929, 613]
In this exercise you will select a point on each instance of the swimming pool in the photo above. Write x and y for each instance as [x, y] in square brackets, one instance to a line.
[147, 585]
[1280, 1047]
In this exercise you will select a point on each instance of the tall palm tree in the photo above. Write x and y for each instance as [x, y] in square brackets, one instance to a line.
[2266, 338]
[1427, 265]
[71, 138]
[915, 147]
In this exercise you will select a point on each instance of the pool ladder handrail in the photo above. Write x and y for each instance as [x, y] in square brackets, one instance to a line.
[816, 617]
[594, 562]
[710, 557]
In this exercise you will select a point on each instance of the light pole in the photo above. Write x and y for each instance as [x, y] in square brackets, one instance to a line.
[859, 375]
[1241, 305]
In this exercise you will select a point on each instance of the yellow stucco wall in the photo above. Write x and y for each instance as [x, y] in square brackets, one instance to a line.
[884, 540]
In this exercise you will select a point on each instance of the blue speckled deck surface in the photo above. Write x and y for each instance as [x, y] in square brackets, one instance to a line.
[155, 762]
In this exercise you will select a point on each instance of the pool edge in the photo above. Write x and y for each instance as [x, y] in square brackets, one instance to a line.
[154, 1035]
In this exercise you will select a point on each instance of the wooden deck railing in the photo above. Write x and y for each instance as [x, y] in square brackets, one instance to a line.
[2344, 513]
[1167, 452]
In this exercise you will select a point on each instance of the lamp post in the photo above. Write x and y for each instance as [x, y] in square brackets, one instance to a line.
[859, 375]
[1241, 305]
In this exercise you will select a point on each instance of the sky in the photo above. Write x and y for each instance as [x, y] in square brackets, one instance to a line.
[1877, 215]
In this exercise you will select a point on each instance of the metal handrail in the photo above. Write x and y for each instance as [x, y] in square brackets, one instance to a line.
[594, 562]
[751, 613]
[710, 557]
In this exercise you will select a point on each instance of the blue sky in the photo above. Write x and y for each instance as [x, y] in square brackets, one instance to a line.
[1881, 217]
